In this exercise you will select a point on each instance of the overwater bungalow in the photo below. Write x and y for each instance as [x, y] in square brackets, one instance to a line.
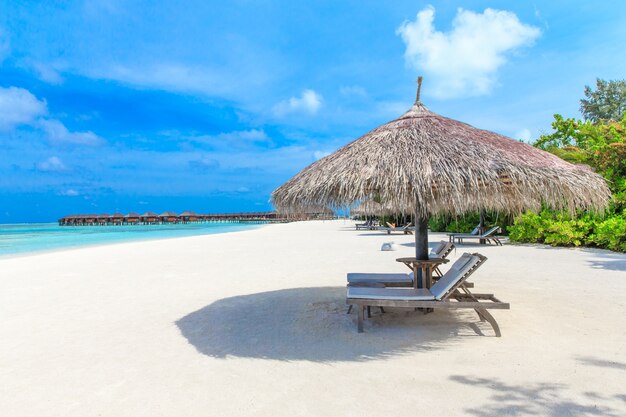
[168, 217]
[188, 217]
[103, 219]
[132, 218]
[149, 218]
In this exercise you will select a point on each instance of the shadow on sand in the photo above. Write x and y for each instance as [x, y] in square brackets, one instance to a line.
[539, 399]
[608, 260]
[312, 324]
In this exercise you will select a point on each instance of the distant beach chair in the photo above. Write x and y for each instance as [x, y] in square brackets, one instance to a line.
[472, 233]
[442, 250]
[488, 236]
[407, 229]
[365, 226]
[447, 293]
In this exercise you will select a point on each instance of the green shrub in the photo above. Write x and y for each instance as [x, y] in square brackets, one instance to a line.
[529, 227]
[610, 233]
[559, 229]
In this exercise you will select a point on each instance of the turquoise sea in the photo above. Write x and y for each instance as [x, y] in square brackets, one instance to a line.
[42, 237]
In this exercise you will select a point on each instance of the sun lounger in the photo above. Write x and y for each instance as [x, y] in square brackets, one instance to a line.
[489, 236]
[407, 229]
[368, 225]
[447, 293]
[472, 233]
[442, 250]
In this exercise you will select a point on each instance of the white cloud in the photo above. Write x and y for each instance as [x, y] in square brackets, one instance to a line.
[204, 164]
[308, 102]
[320, 154]
[176, 77]
[237, 138]
[58, 133]
[252, 135]
[465, 60]
[47, 73]
[70, 193]
[52, 164]
[19, 107]
[353, 91]
[524, 135]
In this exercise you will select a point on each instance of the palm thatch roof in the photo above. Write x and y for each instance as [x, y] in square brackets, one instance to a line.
[370, 208]
[315, 209]
[429, 164]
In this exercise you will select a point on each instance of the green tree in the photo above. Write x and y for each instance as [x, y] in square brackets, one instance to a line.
[601, 145]
[599, 141]
[607, 102]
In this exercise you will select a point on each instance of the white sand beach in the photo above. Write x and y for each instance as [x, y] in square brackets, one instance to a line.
[254, 323]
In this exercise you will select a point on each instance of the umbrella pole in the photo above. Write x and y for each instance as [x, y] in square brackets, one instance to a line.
[481, 226]
[421, 234]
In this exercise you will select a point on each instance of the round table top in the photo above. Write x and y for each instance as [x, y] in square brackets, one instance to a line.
[431, 261]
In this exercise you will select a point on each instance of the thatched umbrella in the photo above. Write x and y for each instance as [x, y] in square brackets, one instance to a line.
[428, 164]
[367, 208]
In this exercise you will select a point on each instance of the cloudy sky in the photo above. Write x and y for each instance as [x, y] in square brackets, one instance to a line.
[208, 106]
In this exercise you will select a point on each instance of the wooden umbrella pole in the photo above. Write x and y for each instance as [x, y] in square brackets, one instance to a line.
[421, 234]
[481, 225]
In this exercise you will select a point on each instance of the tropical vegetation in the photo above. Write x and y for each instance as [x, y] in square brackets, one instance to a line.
[597, 141]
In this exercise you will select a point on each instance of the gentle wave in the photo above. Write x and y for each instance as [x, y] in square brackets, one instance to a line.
[43, 237]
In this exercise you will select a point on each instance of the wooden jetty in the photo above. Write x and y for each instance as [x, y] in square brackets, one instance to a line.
[168, 217]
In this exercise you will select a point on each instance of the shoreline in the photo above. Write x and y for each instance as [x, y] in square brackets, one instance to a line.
[99, 244]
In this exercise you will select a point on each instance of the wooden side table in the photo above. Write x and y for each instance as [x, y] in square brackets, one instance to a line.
[426, 266]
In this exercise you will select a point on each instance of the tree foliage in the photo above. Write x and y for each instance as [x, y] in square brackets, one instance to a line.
[599, 141]
[607, 102]
[600, 145]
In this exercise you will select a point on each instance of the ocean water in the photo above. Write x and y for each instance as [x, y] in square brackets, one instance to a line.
[43, 237]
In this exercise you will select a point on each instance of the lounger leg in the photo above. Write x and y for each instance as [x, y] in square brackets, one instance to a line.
[360, 319]
[480, 316]
[349, 309]
[369, 312]
[491, 320]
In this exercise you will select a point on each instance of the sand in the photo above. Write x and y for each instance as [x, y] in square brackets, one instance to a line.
[254, 323]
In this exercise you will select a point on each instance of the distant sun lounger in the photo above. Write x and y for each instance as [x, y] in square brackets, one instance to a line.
[472, 233]
[448, 292]
[407, 229]
[489, 236]
[368, 225]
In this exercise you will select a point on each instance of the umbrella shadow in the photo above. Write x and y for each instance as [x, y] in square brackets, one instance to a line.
[609, 261]
[537, 399]
[312, 324]
[589, 360]
[604, 258]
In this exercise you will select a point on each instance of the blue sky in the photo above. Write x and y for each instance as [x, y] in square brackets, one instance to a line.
[208, 106]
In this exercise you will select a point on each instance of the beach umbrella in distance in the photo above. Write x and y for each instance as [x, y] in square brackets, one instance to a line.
[426, 164]
[372, 207]
[367, 208]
